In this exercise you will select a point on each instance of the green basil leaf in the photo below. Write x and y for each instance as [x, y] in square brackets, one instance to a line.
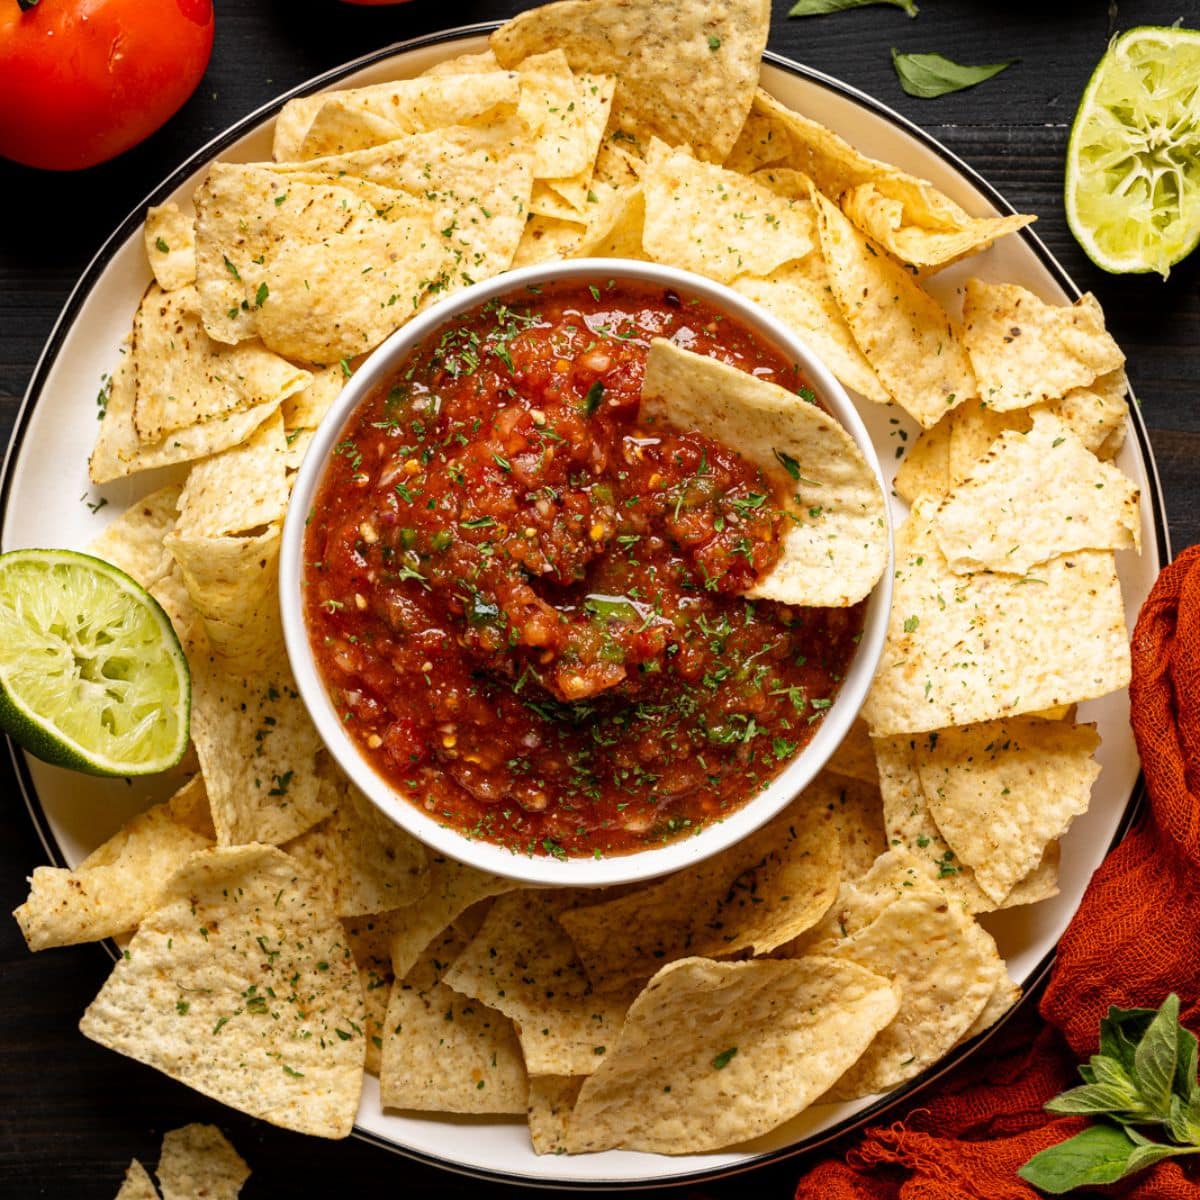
[1155, 1058]
[1121, 1031]
[1152, 1152]
[815, 8]
[1100, 1154]
[929, 75]
[1095, 1098]
[1184, 1122]
[1186, 1083]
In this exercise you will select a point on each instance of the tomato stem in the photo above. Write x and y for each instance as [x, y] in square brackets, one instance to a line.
[26, 5]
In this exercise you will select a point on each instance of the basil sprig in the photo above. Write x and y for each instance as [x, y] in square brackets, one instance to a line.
[930, 75]
[1142, 1081]
[815, 8]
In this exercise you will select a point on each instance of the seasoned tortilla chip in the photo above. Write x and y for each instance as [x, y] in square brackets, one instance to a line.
[909, 826]
[306, 127]
[883, 218]
[753, 897]
[1097, 414]
[523, 963]
[342, 126]
[551, 1101]
[453, 888]
[835, 546]
[119, 452]
[551, 106]
[1004, 995]
[241, 985]
[716, 1053]
[1033, 497]
[444, 1052]
[134, 541]
[184, 378]
[367, 863]
[857, 811]
[968, 648]
[855, 756]
[685, 72]
[798, 294]
[262, 232]
[1000, 792]
[121, 881]
[944, 965]
[240, 490]
[908, 216]
[232, 584]
[1025, 351]
[717, 223]
[370, 943]
[137, 1184]
[306, 408]
[258, 751]
[171, 246]
[906, 336]
[547, 238]
[595, 106]
[198, 1161]
[925, 468]
[615, 227]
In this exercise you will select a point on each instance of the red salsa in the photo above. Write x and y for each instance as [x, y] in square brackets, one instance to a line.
[527, 604]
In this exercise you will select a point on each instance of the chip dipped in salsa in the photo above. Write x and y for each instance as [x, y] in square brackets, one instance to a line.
[526, 597]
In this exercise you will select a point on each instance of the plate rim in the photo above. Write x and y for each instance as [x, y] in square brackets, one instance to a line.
[75, 303]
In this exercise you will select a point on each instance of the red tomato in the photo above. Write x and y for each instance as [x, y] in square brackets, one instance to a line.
[83, 80]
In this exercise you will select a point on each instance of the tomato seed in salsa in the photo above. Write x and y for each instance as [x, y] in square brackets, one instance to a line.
[527, 605]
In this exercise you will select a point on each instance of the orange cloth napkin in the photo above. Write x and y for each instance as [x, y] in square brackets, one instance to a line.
[1135, 939]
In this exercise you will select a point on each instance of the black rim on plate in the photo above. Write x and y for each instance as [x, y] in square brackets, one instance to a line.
[75, 304]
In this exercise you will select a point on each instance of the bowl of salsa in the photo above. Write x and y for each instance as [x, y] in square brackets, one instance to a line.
[586, 572]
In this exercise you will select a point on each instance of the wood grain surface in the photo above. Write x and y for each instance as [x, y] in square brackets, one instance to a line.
[72, 1114]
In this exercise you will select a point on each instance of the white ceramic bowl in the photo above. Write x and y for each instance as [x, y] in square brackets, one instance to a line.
[576, 872]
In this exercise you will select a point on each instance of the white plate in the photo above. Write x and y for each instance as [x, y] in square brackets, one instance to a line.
[45, 488]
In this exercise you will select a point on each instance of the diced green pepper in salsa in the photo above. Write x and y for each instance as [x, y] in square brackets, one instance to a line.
[527, 605]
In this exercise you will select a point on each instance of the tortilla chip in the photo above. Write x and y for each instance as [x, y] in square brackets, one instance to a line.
[367, 863]
[798, 294]
[717, 223]
[909, 826]
[685, 72]
[171, 246]
[198, 1161]
[261, 233]
[184, 378]
[835, 545]
[523, 963]
[857, 811]
[119, 452]
[239, 490]
[883, 218]
[906, 215]
[1004, 995]
[120, 882]
[134, 541]
[1025, 351]
[967, 648]
[716, 1053]
[232, 584]
[551, 106]
[453, 888]
[547, 238]
[749, 899]
[906, 336]
[615, 227]
[308, 126]
[1096, 414]
[595, 105]
[551, 1101]
[855, 755]
[443, 1052]
[241, 986]
[925, 468]
[1033, 497]
[369, 937]
[137, 1185]
[258, 751]
[901, 926]
[1002, 791]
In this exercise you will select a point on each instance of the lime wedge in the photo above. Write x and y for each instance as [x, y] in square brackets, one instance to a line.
[1133, 161]
[92, 676]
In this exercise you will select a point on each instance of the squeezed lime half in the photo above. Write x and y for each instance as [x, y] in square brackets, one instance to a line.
[1133, 161]
[92, 676]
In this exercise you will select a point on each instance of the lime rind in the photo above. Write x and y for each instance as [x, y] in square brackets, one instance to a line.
[92, 675]
[1132, 191]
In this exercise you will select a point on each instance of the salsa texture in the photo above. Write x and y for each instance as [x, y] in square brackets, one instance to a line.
[527, 605]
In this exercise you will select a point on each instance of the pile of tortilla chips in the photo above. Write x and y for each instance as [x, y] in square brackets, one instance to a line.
[280, 936]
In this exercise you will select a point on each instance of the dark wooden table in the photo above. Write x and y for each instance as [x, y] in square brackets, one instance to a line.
[72, 1114]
